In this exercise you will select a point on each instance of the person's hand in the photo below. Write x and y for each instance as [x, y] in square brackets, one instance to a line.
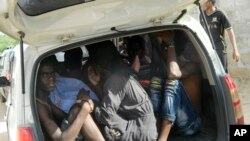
[83, 95]
[236, 56]
[89, 101]
[136, 64]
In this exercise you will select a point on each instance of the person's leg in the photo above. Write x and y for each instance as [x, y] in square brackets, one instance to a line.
[187, 120]
[221, 51]
[155, 94]
[89, 130]
[225, 62]
[166, 126]
[170, 102]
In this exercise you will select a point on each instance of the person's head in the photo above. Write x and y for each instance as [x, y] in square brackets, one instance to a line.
[135, 47]
[104, 59]
[208, 5]
[73, 59]
[46, 74]
[104, 54]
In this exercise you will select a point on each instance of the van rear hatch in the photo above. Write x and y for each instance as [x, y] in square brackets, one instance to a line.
[50, 23]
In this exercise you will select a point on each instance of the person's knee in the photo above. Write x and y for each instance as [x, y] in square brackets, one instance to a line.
[86, 107]
[171, 87]
[155, 83]
[75, 109]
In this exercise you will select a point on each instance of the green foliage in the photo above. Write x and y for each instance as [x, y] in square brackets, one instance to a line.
[6, 41]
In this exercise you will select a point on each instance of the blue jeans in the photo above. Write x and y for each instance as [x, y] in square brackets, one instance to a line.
[171, 102]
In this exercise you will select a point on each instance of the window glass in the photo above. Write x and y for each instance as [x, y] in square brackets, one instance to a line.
[36, 7]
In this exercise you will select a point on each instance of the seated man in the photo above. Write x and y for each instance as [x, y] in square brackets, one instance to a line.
[171, 103]
[66, 90]
[49, 114]
[125, 111]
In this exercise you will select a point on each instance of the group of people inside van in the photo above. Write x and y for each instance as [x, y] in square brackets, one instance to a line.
[104, 100]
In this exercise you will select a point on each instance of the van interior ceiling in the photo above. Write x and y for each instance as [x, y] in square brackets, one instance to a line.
[196, 84]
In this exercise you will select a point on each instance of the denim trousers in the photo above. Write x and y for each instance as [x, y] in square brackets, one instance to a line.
[171, 102]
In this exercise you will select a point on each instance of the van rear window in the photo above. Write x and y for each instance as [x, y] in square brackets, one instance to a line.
[37, 7]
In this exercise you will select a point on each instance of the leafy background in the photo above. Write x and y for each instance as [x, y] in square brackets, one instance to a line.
[6, 42]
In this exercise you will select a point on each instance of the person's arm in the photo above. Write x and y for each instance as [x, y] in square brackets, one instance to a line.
[59, 114]
[83, 95]
[89, 127]
[174, 71]
[165, 130]
[52, 129]
[135, 65]
[173, 68]
[106, 112]
[231, 35]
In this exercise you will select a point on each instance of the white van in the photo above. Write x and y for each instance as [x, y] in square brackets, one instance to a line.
[50, 27]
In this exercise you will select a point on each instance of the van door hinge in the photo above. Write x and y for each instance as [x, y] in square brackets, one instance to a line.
[157, 21]
[115, 29]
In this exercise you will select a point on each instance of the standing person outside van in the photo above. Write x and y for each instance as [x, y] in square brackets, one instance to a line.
[218, 23]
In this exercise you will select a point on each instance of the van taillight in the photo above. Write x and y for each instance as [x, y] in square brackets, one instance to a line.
[235, 99]
[25, 134]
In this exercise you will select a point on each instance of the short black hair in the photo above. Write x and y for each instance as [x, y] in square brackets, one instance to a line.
[136, 46]
[104, 54]
[73, 59]
[50, 60]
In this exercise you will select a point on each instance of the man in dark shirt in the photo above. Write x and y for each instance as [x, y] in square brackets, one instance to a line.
[218, 23]
[125, 111]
